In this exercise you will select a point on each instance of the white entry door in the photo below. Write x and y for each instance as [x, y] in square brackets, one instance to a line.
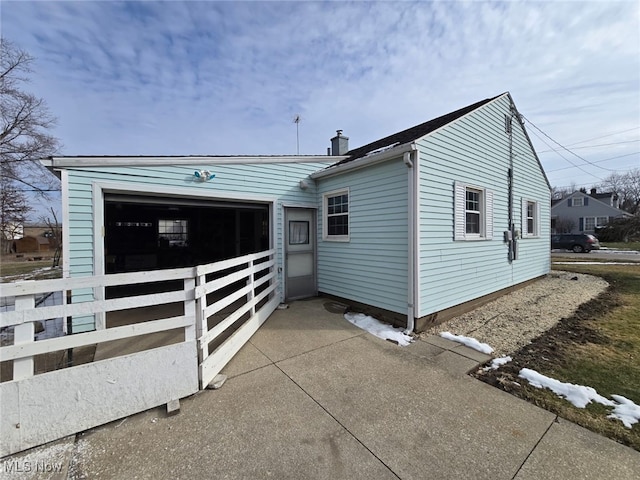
[300, 253]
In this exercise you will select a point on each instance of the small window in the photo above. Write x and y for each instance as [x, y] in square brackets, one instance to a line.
[173, 233]
[601, 222]
[589, 224]
[530, 218]
[577, 202]
[473, 215]
[336, 216]
[472, 211]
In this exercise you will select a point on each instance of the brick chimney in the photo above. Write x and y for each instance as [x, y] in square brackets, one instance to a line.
[593, 192]
[339, 144]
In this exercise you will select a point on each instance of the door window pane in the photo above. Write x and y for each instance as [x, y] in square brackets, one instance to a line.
[298, 232]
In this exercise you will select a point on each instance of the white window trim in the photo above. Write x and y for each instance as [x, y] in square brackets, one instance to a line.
[325, 200]
[536, 219]
[486, 213]
[575, 199]
[595, 223]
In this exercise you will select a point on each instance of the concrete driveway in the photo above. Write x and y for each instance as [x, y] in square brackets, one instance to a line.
[312, 396]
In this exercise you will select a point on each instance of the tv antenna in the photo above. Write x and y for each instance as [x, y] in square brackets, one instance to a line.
[297, 119]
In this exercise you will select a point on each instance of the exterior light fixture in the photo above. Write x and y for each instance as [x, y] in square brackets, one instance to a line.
[203, 175]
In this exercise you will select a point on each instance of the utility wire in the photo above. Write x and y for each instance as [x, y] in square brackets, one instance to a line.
[565, 158]
[604, 136]
[565, 148]
[595, 146]
[597, 161]
[37, 190]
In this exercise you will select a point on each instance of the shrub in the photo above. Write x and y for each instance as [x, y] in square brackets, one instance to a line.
[620, 230]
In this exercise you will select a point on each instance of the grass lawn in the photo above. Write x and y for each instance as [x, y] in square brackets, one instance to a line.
[12, 270]
[612, 365]
[599, 347]
[621, 245]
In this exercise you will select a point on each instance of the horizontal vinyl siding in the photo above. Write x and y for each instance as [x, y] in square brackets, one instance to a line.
[372, 267]
[475, 150]
[277, 181]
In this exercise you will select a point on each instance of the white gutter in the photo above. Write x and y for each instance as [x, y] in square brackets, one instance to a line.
[365, 161]
[412, 224]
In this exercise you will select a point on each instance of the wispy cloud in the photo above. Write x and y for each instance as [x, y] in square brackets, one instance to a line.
[227, 77]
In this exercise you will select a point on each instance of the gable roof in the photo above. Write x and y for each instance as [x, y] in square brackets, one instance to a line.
[413, 133]
[578, 193]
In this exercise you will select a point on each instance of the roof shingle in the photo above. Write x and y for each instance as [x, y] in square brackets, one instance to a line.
[412, 133]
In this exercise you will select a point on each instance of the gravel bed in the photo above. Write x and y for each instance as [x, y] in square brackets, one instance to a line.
[513, 320]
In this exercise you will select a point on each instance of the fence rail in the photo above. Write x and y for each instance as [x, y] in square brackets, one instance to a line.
[224, 303]
[256, 274]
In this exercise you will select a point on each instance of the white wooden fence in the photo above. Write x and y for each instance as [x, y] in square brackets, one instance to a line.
[257, 279]
[219, 316]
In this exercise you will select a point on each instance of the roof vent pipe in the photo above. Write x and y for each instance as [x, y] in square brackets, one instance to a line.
[339, 144]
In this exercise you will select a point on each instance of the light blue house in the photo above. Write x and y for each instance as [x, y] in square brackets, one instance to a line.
[416, 226]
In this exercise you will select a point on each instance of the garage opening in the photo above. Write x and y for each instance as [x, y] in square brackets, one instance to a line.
[145, 233]
[151, 233]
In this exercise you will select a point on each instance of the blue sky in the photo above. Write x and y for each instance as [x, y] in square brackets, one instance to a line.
[171, 78]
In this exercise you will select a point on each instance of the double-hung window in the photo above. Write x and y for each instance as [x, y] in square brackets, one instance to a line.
[473, 212]
[336, 216]
[530, 218]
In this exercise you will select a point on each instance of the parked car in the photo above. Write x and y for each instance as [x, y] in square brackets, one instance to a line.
[578, 242]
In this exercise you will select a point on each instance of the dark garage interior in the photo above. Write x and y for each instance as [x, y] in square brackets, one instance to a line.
[150, 233]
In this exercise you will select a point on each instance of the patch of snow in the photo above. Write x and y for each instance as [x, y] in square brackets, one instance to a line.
[626, 411]
[618, 252]
[379, 329]
[595, 263]
[468, 341]
[579, 395]
[382, 149]
[498, 362]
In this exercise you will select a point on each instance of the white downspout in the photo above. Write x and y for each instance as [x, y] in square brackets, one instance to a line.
[412, 226]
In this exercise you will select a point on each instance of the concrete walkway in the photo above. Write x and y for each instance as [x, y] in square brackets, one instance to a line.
[313, 397]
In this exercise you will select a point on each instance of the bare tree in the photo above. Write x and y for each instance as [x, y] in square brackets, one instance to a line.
[24, 124]
[558, 193]
[13, 213]
[564, 225]
[627, 187]
[56, 235]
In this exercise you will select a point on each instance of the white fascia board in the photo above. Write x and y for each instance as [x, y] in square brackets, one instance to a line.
[161, 190]
[366, 161]
[79, 162]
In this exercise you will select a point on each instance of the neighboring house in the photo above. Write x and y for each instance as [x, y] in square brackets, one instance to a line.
[583, 212]
[37, 231]
[29, 244]
[414, 225]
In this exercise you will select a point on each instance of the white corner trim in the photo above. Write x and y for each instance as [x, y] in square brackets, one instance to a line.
[64, 178]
